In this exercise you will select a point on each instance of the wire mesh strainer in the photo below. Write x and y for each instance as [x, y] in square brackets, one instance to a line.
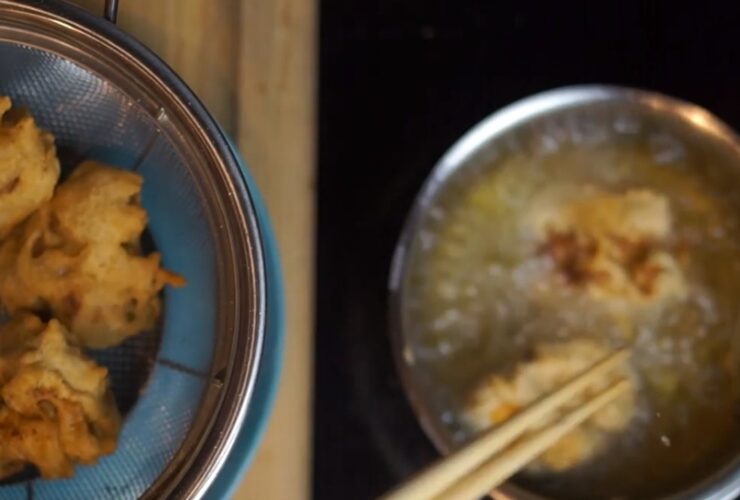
[184, 389]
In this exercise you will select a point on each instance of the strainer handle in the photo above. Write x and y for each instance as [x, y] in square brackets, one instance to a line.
[111, 10]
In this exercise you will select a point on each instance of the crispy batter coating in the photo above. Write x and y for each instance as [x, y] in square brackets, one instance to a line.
[99, 204]
[29, 168]
[56, 409]
[78, 258]
[34, 441]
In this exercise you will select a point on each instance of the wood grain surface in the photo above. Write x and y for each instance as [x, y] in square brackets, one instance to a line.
[253, 64]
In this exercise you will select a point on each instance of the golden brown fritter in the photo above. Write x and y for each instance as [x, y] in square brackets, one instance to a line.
[29, 168]
[78, 258]
[99, 204]
[56, 409]
[25, 441]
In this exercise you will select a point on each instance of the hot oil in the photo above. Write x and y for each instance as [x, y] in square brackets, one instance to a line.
[468, 310]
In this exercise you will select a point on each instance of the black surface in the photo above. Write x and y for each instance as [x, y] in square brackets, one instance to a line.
[400, 82]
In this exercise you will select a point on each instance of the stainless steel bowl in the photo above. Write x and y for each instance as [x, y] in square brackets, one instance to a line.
[579, 114]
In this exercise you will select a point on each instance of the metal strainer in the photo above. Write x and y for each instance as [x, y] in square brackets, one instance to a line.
[184, 389]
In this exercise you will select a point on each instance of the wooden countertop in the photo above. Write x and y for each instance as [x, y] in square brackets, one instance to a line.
[253, 64]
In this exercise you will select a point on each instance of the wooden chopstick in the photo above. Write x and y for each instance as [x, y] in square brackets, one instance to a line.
[499, 468]
[441, 475]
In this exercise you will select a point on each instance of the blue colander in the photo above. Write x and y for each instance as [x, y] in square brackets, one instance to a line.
[196, 391]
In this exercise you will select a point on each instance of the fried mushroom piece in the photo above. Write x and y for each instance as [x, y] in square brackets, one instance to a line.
[56, 409]
[79, 259]
[29, 168]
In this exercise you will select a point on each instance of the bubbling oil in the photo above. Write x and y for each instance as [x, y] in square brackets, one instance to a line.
[467, 308]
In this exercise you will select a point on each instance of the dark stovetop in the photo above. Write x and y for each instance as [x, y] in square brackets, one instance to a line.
[400, 81]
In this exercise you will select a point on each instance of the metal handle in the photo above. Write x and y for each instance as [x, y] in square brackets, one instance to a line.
[111, 10]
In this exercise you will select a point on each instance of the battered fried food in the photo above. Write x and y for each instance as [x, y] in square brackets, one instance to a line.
[612, 246]
[30, 441]
[29, 168]
[73, 254]
[56, 409]
[499, 397]
[79, 258]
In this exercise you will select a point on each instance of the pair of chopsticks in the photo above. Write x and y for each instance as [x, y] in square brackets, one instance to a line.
[476, 469]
